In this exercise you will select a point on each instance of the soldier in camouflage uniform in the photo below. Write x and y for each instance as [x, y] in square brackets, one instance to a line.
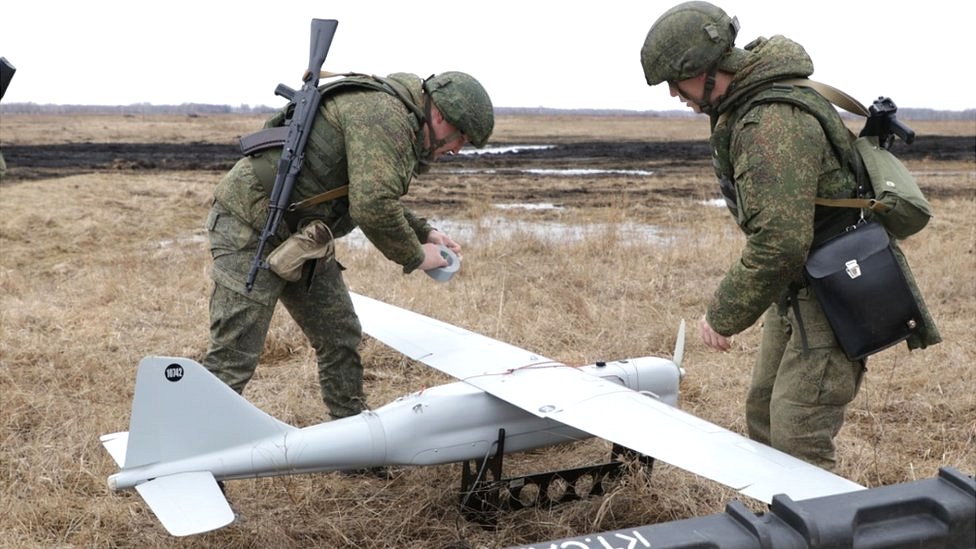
[776, 148]
[373, 134]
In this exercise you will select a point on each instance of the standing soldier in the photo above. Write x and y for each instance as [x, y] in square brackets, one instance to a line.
[776, 147]
[372, 134]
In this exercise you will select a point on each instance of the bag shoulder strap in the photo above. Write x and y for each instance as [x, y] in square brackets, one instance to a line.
[861, 203]
[853, 106]
[832, 94]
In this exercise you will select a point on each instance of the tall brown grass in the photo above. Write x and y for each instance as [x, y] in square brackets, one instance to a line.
[99, 270]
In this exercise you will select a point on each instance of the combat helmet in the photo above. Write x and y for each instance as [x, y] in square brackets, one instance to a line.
[464, 103]
[689, 39]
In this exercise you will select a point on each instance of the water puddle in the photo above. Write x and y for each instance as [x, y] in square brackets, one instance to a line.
[493, 229]
[714, 203]
[529, 207]
[516, 149]
[196, 238]
[562, 172]
[504, 149]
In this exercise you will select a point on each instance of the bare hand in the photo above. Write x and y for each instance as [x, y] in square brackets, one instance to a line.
[432, 257]
[441, 239]
[713, 339]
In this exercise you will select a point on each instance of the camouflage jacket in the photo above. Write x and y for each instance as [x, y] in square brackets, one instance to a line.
[776, 149]
[772, 159]
[362, 137]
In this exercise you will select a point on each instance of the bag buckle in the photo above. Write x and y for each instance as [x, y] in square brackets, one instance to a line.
[852, 268]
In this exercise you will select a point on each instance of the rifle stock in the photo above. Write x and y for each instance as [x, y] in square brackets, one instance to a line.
[306, 103]
[323, 30]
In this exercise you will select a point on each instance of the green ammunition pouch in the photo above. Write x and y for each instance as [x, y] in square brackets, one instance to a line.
[862, 290]
[312, 242]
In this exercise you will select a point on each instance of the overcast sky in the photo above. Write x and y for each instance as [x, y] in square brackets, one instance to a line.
[527, 53]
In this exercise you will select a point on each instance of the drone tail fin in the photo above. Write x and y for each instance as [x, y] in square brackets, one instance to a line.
[180, 411]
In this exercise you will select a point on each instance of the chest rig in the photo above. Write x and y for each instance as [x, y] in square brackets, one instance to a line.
[273, 137]
[827, 221]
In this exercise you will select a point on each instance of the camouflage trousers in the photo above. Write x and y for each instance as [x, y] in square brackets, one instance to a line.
[239, 320]
[798, 398]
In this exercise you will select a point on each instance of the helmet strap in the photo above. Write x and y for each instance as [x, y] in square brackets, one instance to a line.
[706, 101]
[425, 152]
[433, 145]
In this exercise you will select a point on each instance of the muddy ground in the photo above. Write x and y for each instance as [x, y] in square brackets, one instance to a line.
[615, 176]
[32, 162]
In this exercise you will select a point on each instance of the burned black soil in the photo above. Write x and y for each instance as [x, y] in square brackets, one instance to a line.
[33, 162]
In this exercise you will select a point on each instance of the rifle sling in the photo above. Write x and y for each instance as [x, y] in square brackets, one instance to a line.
[338, 192]
[264, 171]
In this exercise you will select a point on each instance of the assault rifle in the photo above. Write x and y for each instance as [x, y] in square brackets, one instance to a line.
[882, 123]
[305, 103]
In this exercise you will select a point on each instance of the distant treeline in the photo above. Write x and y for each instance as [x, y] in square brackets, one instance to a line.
[190, 109]
[199, 109]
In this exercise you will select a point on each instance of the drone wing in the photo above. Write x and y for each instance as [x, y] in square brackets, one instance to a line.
[640, 422]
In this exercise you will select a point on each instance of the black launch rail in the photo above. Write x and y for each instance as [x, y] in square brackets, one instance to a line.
[925, 514]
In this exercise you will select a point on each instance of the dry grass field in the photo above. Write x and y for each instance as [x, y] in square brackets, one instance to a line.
[101, 267]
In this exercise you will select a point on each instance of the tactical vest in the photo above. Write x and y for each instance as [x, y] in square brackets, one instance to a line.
[275, 131]
[265, 145]
[827, 221]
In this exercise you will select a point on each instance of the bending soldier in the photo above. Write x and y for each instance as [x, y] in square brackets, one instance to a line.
[372, 134]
